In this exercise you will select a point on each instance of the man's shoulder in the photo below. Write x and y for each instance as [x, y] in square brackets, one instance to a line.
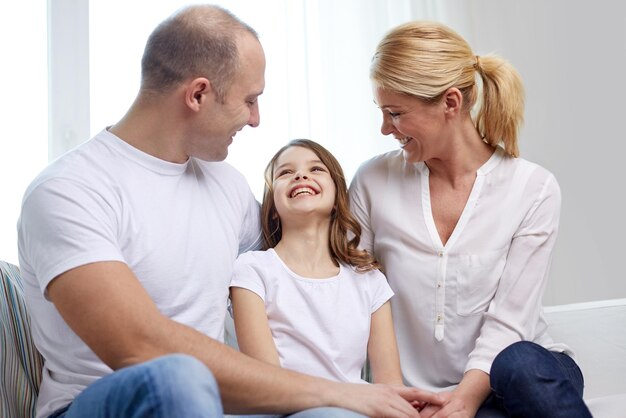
[83, 164]
[221, 172]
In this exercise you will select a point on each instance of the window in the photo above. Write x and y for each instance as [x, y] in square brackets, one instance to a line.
[23, 111]
[317, 83]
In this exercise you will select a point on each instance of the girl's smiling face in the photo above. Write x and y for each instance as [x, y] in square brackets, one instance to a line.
[302, 184]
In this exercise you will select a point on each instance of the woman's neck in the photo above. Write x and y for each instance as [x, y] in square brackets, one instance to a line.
[465, 155]
[305, 250]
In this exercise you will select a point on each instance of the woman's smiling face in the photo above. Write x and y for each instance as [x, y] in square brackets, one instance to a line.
[416, 125]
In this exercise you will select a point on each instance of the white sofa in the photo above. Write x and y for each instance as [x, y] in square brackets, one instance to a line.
[596, 331]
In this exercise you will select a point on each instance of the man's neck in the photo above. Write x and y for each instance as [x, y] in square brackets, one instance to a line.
[154, 127]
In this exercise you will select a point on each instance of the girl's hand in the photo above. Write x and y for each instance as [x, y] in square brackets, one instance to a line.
[380, 401]
[454, 406]
[429, 410]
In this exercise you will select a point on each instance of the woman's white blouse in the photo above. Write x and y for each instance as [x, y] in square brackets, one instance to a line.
[457, 306]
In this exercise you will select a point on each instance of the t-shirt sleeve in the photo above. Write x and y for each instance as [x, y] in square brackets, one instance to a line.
[247, 274]
[359, 206]
[381, 291]
[250, 237]
[63, 225]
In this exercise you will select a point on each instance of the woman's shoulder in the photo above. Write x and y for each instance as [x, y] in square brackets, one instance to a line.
[527, 177]
[525, 164]
[375, 172]
[523, 168]
[382, 162]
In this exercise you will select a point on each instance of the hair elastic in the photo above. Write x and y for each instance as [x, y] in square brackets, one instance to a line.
[477, 63]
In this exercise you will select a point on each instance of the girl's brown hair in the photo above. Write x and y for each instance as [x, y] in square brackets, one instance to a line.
[342, 222]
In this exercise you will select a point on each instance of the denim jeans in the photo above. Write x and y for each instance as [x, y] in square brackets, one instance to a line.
[529, 381]
[310, 413]
[171, 386]
[175, 385]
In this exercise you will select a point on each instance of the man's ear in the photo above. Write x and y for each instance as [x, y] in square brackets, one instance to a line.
[453, 101]
[198, 91]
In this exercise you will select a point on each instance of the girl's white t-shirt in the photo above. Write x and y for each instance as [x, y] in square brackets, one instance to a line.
[320, 326]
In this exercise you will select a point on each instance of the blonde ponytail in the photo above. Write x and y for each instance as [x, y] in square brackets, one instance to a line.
[424, 59]
[501, 108]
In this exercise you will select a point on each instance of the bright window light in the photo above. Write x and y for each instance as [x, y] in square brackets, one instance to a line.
[316, 77]
[23, 111]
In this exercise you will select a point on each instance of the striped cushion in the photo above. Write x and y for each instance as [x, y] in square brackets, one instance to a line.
[20, 362]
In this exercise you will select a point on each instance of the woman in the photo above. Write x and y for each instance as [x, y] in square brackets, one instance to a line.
[464, 230]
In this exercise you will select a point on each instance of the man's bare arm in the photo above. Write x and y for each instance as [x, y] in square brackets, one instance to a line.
[107, 307]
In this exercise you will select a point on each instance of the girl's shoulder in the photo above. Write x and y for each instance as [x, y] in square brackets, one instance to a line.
[255, 257]
[369, 275]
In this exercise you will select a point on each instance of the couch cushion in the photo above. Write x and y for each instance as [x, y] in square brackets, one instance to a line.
[596, 333]
[20, 362]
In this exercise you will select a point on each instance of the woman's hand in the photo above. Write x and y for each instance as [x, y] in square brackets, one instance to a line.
[464, 401]
[453, 406]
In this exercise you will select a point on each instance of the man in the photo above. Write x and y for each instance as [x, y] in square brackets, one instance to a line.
[127, 243]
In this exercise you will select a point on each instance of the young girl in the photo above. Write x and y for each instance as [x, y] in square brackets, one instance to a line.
[312, 302]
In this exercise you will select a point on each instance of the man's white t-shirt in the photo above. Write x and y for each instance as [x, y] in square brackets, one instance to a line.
[179, 227]
[320, 326]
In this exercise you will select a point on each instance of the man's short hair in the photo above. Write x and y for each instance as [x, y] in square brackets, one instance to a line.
[197, 41]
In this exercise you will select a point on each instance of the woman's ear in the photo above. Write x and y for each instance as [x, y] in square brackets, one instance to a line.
[198, 91]
[453, 101]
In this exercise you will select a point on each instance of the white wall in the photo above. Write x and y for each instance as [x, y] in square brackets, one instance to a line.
[571, 54]
[572, 57]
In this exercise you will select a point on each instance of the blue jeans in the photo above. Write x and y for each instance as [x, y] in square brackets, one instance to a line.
[310, 413]
[529, 381]
[175, 385]
[171, 386]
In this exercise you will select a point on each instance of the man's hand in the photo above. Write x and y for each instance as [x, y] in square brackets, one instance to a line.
[383, 401]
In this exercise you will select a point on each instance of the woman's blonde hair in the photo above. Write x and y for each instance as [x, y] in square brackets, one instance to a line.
[342, 222]
[425, 59]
